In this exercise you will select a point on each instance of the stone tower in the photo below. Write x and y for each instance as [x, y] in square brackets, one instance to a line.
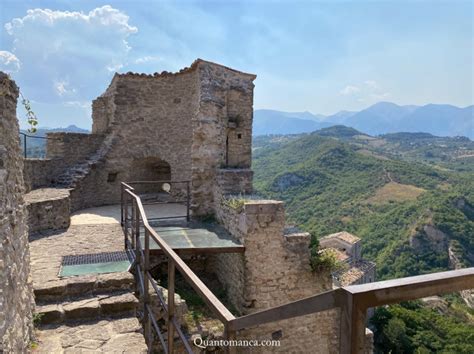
[180, 126]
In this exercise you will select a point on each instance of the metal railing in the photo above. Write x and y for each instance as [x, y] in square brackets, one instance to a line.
[180, 195]
[135, 224]
[25, 136]
[354, 301]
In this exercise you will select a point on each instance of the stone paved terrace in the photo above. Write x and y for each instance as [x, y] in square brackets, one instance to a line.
[80, 314]
[92, 230]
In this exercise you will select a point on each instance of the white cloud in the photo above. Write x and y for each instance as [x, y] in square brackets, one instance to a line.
[349, 90]
[82, 47]
[9, 63]
[380, 96]
[80, 104]
[371, 84]
[63, 88]
[367, 91]
[147, 59]
[114, 67]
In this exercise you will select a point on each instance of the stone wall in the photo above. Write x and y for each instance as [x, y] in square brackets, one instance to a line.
[149, 119]
[222, 129]
[274, 270]
[196, 121]
[72, 148]
[233, 181]
[48, 209]
[16, 296]
[39, 172]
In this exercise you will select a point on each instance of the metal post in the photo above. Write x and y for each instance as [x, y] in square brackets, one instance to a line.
[187, 201]
[125, 222]
[24, 145]
[149, 335]
[171, 280]
[121, 205]
[137, 226]
[139, 261]
[146, 295]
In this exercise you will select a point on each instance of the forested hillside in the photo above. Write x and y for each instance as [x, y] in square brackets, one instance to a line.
[411, 212]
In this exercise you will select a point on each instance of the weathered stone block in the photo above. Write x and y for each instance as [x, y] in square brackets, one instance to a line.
[50, 313]
[88, 308]
[118, 304]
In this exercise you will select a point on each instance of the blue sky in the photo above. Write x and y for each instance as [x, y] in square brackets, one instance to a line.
[312, 56]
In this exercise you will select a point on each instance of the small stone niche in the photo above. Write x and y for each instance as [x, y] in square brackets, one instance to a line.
[112, 177]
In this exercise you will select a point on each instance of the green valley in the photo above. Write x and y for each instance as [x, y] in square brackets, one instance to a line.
[413, 209]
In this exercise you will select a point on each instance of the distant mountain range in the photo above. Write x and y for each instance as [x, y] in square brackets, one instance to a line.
[380, 118]
[37, 147]
[266, 121]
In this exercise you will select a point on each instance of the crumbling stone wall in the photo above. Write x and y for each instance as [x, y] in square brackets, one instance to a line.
[39, 172]
[196, 121]
[63, 151]
[274, 270]
[16, 296]
[222, 129]
[72, 148]
[149, 118]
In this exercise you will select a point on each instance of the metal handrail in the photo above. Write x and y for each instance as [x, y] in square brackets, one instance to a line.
[187, 201]
[137, 219]
[353, 300]
[35, 137]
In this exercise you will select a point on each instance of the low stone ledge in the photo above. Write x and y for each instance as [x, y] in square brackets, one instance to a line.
[263, 206]
[48, 209]
[298, 242]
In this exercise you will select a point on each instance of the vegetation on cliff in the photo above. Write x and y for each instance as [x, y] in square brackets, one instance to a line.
[410, 211]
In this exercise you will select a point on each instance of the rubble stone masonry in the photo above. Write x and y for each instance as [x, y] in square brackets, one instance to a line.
[274, 270]
[16, 296]
[179, 126]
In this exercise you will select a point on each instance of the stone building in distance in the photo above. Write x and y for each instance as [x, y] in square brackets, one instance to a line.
[347, 249]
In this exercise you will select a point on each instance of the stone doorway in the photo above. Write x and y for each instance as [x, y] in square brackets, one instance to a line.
[149, 169]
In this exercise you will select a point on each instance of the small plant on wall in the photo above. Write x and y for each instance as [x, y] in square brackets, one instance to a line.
[324, 260]
[30, 115]
[31, 118]
[235, 202]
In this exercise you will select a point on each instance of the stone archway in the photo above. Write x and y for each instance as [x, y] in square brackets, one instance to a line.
[149, 169]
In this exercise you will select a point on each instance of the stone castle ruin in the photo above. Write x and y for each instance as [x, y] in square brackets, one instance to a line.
[91, 236]
[190, 125]
[193, 125]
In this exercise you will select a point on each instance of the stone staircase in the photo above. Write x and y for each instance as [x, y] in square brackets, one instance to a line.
[75, 174]
[95, 313]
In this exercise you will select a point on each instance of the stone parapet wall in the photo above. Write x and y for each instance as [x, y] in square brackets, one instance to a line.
[72, 148]
[48, 209]
[39, 172]
[274, 270]
[315, 333]
[16, 295]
